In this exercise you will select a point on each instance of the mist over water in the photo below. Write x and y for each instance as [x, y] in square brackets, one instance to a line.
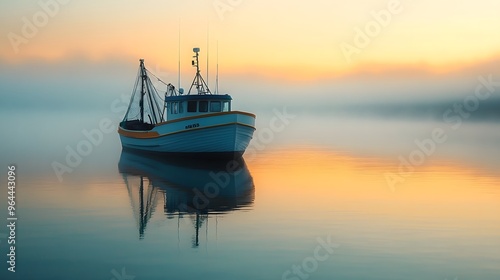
[80, 85]
[323, 176]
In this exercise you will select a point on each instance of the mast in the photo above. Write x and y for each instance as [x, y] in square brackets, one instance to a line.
[148, 91]
[197, 65]
[143, 89]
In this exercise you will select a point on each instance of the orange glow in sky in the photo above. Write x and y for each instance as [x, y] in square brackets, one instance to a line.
[300, 40]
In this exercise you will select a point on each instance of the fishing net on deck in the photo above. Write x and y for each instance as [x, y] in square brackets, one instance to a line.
[146, 108]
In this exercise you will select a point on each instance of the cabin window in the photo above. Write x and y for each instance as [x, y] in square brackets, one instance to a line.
[215, 106]
[174, 107]
[225, 107]
[192, 106]
[203, 106]
[181, 107]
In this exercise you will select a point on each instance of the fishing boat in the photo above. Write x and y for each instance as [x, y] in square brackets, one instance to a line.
[197, 124]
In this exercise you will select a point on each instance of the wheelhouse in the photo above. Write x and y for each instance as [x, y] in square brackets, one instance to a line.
[182, 106]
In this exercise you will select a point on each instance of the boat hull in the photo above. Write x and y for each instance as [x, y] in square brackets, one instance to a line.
[223, 134]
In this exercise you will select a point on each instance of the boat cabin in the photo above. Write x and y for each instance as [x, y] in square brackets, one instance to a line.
[182, 106]
[178, 105]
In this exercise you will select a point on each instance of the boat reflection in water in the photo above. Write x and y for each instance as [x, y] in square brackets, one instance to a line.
[197, 188]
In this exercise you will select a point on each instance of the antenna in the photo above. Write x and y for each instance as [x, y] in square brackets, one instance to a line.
[208, 52]
[179, 58]
[217, 75]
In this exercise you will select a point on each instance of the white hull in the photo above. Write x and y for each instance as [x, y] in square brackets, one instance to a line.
[215, 133]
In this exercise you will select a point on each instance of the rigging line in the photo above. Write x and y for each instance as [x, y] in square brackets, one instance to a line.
[133, 93]
[155, 90]
[156, 77]
[151, 105]
[157, 94]
[154, 104]
[152, 88]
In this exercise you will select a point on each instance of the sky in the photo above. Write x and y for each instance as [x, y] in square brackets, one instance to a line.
[317, 45]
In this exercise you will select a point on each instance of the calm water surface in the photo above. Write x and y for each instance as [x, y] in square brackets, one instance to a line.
[312, 203]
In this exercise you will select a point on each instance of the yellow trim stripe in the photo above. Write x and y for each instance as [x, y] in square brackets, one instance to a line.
[154, 134]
